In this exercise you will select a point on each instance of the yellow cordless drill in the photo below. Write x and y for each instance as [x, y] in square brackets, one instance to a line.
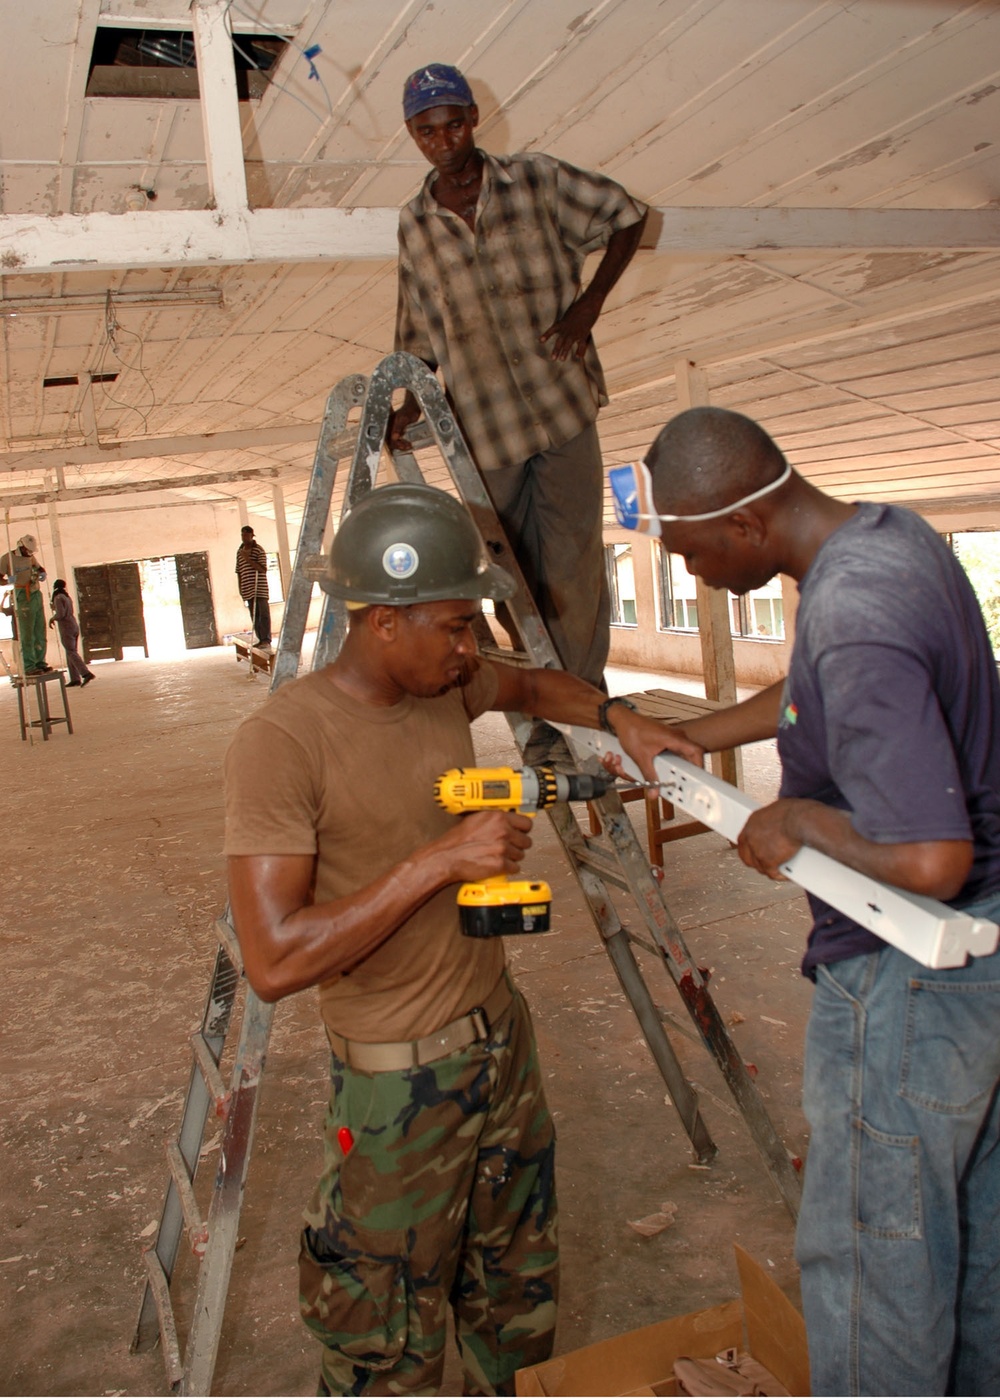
[498, 905]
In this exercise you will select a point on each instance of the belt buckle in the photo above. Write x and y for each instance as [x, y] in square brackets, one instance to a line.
[480, 1022]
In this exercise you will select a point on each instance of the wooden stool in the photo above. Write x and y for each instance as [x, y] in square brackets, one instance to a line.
[659, 812]
[45, 719]
[671, 707]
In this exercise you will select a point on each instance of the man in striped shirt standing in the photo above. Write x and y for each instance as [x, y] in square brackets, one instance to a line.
[490, 258]
[251, 571]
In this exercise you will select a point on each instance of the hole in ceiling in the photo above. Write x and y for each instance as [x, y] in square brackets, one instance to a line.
[160, 63]
[67, 381]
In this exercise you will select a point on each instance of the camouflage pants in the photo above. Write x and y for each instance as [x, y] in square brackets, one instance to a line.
[447, 1196]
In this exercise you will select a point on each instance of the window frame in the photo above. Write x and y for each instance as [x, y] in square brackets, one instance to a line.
[618, 609]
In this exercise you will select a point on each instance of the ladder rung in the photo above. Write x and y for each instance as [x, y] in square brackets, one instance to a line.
[602, 863]
[680, 1026]
[209, 1067]
[494, 652]
[646, 944]
[226, 935]
[314, 567]
[193, 1223]
[160, 1289]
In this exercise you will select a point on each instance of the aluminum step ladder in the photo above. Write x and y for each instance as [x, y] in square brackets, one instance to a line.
[617, 860]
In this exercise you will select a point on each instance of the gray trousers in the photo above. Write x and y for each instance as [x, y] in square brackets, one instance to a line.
[551, 508]
[75, 664]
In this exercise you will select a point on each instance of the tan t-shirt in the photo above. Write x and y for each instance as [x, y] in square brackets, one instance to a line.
[315, 771]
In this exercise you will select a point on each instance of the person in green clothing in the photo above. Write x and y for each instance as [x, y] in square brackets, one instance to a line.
[20, 568]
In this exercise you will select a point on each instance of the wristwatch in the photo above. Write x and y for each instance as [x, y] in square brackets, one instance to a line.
[602, 711]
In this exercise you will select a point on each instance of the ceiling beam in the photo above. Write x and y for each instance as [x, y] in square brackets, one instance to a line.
[193, 445]
[129, 488]
[193, 238]
[169, 14]
[730, 232]
[75, 105]
[89, 302]
[220, 113]
[33, 244]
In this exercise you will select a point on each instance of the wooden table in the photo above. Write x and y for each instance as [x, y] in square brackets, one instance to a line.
[46, 719]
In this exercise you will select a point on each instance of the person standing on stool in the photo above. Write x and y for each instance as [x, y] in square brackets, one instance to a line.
[22, 569]
[251, 570]
[491, 253]
[69, 634]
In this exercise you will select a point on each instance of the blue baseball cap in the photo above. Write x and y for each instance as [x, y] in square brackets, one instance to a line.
[435, 85]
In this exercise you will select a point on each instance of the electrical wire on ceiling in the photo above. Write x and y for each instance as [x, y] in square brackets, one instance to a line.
[114, 331]
[309, 55]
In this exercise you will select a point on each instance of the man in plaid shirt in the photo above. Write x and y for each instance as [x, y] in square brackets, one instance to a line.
[490, 256]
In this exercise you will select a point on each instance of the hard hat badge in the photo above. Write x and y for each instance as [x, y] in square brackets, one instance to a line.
[400, 561]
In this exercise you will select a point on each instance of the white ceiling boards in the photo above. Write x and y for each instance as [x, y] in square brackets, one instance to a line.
[827, 250]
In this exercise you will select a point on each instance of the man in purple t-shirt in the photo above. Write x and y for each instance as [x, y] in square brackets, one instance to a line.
[886, 728]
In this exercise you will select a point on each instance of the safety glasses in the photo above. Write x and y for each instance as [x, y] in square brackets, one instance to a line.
[632, 496]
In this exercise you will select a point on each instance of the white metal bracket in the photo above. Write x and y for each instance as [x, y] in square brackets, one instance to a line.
[926, 930]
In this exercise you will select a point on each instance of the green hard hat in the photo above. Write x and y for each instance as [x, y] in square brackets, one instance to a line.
[411, 544]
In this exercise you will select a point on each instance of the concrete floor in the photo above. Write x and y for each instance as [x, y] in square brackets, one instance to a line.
[114, 877]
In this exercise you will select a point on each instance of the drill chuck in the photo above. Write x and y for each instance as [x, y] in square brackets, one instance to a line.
[579, 787]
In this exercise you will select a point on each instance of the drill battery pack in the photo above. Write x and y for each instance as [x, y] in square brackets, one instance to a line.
[495, 908]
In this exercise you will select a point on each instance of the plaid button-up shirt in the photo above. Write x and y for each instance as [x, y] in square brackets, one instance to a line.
[473, 304]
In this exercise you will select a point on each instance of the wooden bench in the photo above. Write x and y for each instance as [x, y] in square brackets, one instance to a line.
[672, 707]
[261, 659]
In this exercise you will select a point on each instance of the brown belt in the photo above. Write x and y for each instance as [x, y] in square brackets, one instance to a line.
[373, 1057]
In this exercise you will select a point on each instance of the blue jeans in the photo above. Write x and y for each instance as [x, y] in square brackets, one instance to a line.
[899, 1236]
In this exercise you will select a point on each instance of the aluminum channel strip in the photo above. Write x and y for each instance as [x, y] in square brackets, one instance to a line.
[926, 930]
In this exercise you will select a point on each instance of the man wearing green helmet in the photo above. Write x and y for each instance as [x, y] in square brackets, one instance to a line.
[438, 1184]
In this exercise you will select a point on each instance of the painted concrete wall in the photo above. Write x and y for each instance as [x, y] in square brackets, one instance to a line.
[151, 526]
[652, 648]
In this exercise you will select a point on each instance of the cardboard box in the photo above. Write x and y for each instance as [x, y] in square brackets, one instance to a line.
[763, 1322]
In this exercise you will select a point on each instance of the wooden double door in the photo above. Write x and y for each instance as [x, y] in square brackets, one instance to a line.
[111, 615]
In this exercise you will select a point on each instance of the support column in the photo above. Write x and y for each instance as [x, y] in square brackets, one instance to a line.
[244, 514]
[57, 549]
[281, 525]
[644, 572]
[714, 625]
